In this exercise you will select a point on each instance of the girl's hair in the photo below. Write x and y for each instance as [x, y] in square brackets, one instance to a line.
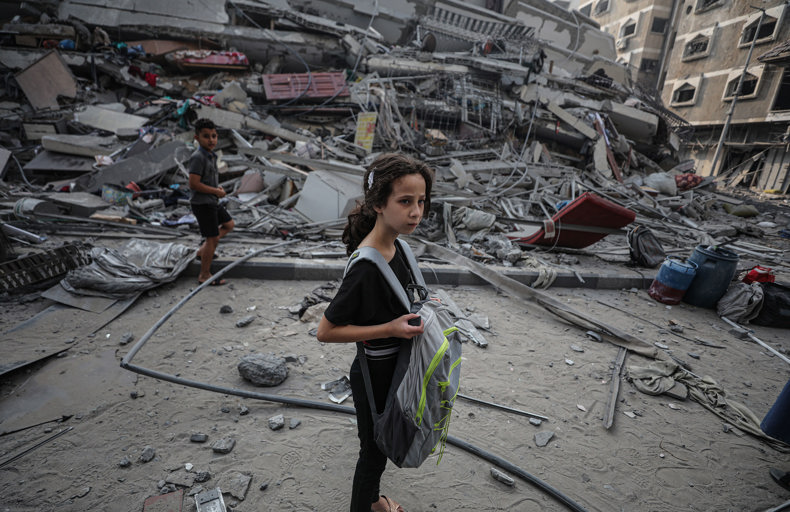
[377, 184]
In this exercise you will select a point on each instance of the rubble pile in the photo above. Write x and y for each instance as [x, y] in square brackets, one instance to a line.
[97, 113]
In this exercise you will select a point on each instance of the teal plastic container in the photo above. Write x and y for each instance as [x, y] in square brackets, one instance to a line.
[673, 279]
[715, 269]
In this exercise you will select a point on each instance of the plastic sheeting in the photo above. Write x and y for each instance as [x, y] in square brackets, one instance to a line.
[137, 266]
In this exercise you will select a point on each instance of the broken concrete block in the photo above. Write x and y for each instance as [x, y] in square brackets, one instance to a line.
[572, 120]
[223, 445]
[263, 369]
[542, 438]
[633, 123]
[148, 454]
[276, 422]
[236, 484]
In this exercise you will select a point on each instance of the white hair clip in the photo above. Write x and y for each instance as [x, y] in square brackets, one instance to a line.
[370, 179]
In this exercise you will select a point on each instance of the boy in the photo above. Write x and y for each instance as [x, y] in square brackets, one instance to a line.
[213, 219]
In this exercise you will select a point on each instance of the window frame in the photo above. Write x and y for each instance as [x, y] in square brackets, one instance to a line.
[653, 24]
[630, 22]
[586, 6]
[742, 43]
[606, 9]
[699, 8]
[699, 55]
[695, 84]
[756, 71]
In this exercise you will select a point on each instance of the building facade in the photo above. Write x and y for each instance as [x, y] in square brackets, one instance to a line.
[694, 53]
[640, 29]
[712, 43]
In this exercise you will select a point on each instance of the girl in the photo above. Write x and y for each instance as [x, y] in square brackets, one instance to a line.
[397, 193]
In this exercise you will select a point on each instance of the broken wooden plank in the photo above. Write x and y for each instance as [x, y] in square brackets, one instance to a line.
[614, 388]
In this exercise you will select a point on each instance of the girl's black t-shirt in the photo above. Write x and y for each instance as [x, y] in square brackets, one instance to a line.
[365, 298]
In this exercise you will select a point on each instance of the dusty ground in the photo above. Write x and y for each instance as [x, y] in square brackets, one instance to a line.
[664, 458]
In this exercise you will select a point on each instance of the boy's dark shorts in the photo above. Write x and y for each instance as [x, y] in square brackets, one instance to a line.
[209, 218]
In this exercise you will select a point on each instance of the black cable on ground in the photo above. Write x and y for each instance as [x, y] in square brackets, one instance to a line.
[126, 363]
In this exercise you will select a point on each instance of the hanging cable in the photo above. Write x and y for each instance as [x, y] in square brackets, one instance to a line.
[304, 63]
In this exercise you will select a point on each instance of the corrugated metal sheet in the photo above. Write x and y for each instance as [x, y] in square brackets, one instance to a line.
[289, 86]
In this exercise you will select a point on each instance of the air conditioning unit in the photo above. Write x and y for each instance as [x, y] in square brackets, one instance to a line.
[621, 44]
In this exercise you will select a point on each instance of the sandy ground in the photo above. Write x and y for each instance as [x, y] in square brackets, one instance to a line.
[671, 455]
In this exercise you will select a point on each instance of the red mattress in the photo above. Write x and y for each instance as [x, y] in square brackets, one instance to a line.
[586, 210]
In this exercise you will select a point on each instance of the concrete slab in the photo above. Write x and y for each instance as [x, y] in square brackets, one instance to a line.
[49, 162]
[80, 145]
[109, 120]
[139, 168]
[79, 204]
[45, 80]
[633, 123]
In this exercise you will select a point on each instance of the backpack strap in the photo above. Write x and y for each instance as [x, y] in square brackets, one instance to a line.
[374, 256]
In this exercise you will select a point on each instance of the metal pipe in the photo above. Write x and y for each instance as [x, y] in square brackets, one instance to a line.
[503, 407]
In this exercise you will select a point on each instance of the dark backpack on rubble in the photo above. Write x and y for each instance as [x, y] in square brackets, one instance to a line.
[644, 247]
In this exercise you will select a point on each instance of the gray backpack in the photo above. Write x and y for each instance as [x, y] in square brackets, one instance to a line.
[416, 417]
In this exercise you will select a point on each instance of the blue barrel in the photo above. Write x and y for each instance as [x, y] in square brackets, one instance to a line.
[715, 269]
[673, 279]
[777, 422]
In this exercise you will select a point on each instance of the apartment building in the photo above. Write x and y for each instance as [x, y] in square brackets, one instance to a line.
[712, 41]
[694, 52]
[640, 29]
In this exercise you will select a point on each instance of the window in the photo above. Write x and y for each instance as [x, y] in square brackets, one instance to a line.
[767, 28]
[648, 65]
[659, 25]
[697, 48]
[748, 88]
[704, 5]
[628, 29]
[586, 10]
[782, 101]
[685, 92]
[602, 6]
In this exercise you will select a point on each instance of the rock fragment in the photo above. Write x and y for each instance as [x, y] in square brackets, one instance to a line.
[263, 369]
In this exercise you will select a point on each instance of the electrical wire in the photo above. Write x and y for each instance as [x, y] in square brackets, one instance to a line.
[22, 171]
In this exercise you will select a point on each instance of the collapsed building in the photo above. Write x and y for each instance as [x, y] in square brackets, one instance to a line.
[519, 106]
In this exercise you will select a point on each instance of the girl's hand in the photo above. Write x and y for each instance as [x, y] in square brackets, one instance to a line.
[401, 328]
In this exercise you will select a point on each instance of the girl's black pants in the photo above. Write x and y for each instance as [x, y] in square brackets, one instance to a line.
[371, 462]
